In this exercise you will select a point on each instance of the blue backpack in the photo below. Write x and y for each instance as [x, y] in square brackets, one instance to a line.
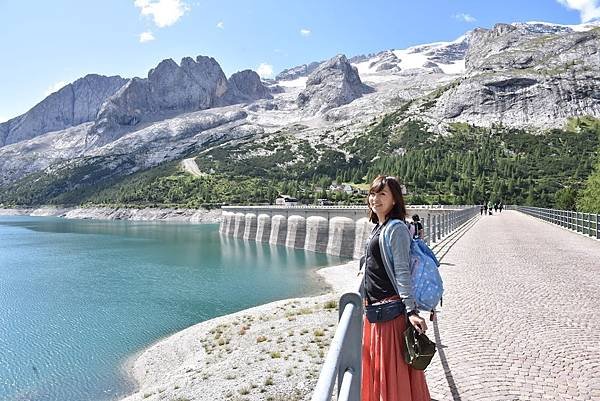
[426, 281]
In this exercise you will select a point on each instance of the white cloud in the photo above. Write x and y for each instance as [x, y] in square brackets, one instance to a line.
[53, 88]
[3, 119]
[146, 37]
[265, 70]
[305, 32]
[221, 25]
[163, 12]
[588, 9]
[464, 17]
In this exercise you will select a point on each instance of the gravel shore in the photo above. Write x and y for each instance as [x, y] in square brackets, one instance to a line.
[269, 352]
[122, 213]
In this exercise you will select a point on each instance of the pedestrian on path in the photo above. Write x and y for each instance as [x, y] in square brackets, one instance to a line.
[385, 374]
[416, 227]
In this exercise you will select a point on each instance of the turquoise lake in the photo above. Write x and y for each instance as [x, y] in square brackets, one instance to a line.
[78, 298]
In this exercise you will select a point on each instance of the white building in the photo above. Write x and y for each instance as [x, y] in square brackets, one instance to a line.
[286, 200]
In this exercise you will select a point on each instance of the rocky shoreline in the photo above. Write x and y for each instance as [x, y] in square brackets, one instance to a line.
[271, 352]
[122, 213]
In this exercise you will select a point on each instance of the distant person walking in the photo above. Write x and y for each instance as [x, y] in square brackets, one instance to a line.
[485, 208]
[501, 207]
[496, 207]
[481, 210]
[385, 375]
[416, 228]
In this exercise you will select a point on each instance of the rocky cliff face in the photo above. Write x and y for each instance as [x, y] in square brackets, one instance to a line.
[387, 61]
[172, 89]
[297, 72]
[245, 87]
[333, 84]
[74, 104]
[143, 148]
[522, 76]
[195, 85]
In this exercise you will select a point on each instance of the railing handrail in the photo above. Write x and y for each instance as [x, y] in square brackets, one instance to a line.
[581, 222]
[354, 207]
[344, 357]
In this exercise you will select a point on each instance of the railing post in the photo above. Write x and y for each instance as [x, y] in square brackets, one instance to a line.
[586, 220]
[447, 218]
[597, 228]
[570, 220]
[428, 229]
[589, 224]
[442, 225]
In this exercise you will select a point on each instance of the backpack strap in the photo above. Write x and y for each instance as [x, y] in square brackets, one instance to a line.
[386, 249]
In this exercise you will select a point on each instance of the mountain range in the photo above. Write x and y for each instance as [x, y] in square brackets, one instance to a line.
[534, 76]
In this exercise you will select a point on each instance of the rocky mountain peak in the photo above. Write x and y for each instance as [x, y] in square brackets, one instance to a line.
[170, 88]
[334, 83]
[387, 61]
[73, 104]
[526, 77]
[167, 66]
[246, 86]
[297, 72]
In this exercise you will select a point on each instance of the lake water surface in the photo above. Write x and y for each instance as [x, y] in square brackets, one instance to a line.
[77, 298]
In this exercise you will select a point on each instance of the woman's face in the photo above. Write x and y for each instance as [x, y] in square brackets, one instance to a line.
[381, 202]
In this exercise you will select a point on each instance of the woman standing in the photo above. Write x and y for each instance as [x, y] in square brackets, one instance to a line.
[385, 375]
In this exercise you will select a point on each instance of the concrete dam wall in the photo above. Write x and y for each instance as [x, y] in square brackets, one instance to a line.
[330, 233]
[340, 231]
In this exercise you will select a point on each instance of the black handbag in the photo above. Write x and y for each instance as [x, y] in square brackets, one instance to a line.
[418, 348]
[385, 311]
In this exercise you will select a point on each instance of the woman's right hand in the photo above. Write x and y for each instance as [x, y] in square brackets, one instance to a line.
[418, 323]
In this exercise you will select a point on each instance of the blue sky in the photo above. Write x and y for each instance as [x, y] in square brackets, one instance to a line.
[46, 44]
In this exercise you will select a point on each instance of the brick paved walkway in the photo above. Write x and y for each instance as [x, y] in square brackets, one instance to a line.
[521, 314]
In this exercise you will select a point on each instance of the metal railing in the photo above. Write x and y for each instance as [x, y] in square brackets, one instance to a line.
[343, 360]
[354, 207]
[437, 226]
[584, 223]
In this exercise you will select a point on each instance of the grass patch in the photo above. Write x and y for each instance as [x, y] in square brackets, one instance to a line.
[330, 304]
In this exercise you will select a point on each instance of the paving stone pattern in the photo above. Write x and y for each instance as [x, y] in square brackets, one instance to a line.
[521, 314]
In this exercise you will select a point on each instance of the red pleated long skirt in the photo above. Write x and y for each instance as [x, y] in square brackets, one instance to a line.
[385, 375]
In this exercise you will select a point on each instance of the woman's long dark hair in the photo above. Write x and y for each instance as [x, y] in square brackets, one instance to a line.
[399, 209]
